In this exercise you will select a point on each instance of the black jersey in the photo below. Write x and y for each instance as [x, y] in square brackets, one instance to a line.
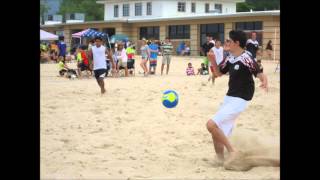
[206, 47]
[241, 69]
[252, 47]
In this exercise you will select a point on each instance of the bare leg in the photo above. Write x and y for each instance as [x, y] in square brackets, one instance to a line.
[142, 66]
[219, 148]
[79, 72]
[126, 71]
[101, 84]
[168, 68]
[219, 135]
[146, 67]
[162, 66]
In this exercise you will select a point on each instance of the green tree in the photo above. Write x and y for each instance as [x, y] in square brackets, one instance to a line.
[43, 10]
[258, 5]
[92, 10]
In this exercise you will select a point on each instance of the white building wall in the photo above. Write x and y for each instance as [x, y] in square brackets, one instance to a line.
[156, 10]
[166, 8]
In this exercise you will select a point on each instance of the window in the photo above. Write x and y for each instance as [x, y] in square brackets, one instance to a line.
[217, 30]
[72, 16]
[50, 17]
[179, 32]
[149, 8]
[181, 7]
[218, 7]
[151, 32]
[254, 25]
[116, 11]
[248, 27]
[138, 9]
[193, 7]
[207, 7]
[125, 10]
[109, 31]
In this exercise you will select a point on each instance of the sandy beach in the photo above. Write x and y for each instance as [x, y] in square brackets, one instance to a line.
[128, 134]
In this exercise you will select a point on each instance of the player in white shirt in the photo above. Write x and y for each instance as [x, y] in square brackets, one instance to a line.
[217, 50]
[98, 55]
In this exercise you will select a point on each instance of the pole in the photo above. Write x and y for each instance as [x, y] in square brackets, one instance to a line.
[274, 47]
[108, 41]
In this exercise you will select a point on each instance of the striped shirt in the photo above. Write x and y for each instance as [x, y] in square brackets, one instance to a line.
[167, 48]
[190, 71]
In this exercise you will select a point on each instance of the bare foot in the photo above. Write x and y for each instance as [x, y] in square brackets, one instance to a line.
[103, 91]
[232, 156]
[220, 160]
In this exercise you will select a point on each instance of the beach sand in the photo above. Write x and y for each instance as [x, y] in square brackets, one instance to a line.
[128, 134]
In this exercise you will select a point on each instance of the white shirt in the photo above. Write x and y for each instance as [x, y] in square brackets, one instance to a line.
[218, 52]
[99, 57]
[122, 55]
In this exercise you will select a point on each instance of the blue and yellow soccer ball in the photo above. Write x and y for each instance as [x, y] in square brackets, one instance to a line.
[170, 99]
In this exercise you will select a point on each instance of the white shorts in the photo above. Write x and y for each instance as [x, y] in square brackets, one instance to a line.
[228, 112]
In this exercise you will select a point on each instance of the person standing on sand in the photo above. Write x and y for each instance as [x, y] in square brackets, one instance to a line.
[98, 55]
[252, 45]
[166, 49]
[145, 55]
[241, 67]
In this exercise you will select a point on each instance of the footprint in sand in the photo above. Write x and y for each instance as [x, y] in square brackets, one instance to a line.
[97, 111]
[256, 107]
[253, 129]
[239, 125]
[97, 131]
[52, 107]
[66, 141]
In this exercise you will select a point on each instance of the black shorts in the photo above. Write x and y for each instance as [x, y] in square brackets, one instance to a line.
[83, 67]
[62, 71]
[100, 73]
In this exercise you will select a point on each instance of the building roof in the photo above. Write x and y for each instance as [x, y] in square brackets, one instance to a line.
[187, 17]
[207, 16]
[117, 1]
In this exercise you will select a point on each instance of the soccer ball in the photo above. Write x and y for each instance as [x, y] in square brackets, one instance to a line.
[170, 99]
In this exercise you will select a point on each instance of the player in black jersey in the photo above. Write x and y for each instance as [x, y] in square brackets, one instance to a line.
[241, 67]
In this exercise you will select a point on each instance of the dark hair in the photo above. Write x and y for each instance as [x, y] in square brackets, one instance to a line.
[98, 38]
[209, 35]
[239, 36]
[167, 37]
[92, 41]
[258, 61]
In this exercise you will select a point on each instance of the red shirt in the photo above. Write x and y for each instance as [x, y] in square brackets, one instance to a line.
[84, 58]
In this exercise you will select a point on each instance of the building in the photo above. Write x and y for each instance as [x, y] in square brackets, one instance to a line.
[217, 18]
[115, 10]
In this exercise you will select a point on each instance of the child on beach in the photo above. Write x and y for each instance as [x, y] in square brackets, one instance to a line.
[122, 58]
[203, 70]
[260, 65]
[190, 70]
[154, 49]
